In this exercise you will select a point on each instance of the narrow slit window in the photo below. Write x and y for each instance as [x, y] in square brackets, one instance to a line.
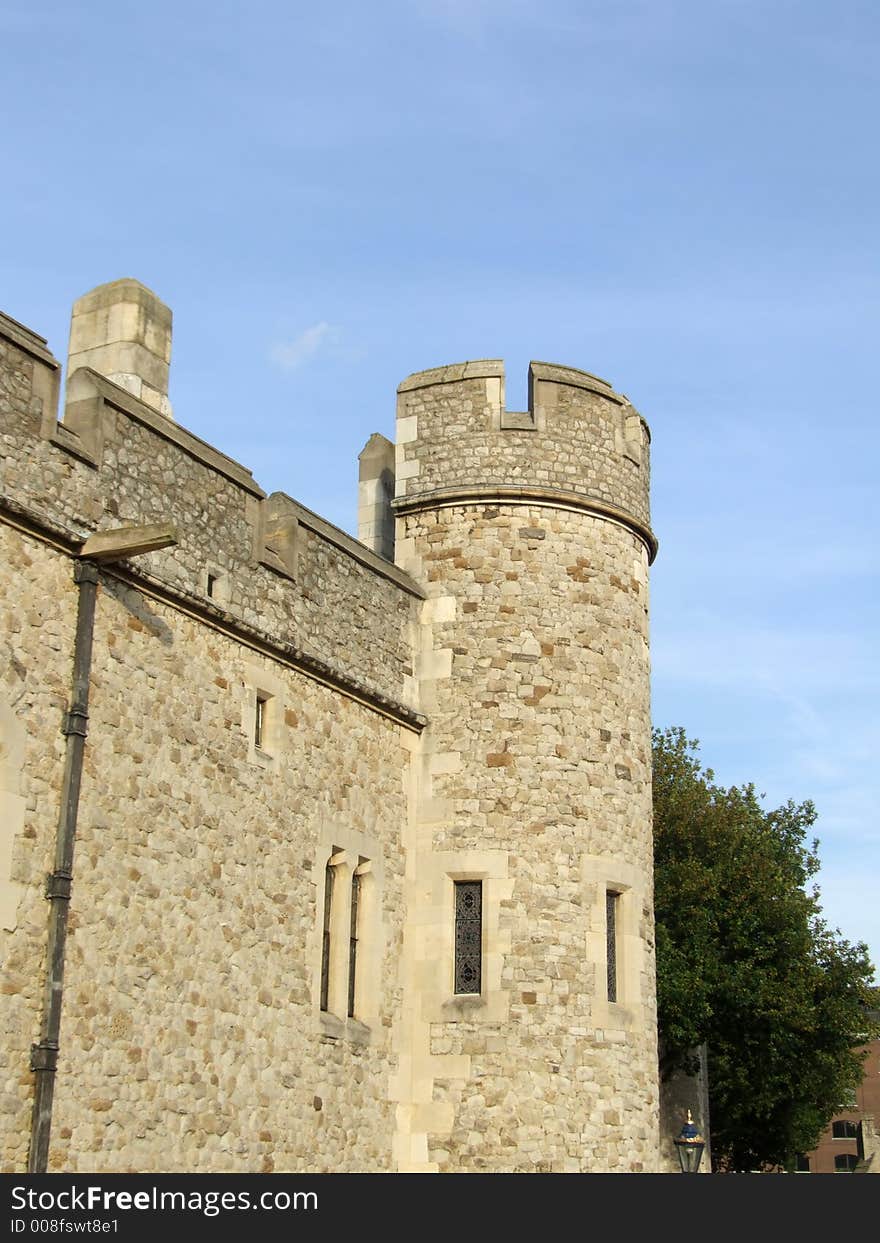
[210, 585]
[468, 936]
[260, 721]
[325, 937]
[611, 903]
[353, 941]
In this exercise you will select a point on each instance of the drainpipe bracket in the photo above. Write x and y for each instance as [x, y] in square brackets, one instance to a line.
[76, 721]
[85, 572]
[58, 884]
[44, 1056]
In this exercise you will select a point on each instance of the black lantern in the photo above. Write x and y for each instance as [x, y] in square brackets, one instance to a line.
[690, 1145]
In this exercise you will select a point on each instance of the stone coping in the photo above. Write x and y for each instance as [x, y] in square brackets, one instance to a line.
[486, 368]
[28, 340]
[350, 546]
[481, 368]
[191, 444]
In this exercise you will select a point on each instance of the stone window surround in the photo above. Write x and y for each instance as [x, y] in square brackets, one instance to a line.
[261, 684]
[440, 1003]
[349, 852]
[600, 876]
[612, 905]
[215, 584]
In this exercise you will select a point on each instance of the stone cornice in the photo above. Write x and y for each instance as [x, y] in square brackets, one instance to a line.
[526, 494]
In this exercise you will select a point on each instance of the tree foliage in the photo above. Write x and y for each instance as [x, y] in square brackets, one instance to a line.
[746, 964]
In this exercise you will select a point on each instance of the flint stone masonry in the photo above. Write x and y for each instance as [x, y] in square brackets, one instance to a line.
[476, 708]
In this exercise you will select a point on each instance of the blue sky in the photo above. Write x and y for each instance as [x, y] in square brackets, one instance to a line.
[679, 196]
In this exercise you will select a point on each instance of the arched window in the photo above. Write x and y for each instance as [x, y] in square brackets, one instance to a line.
[353, 940]
[347, 918]
[329, 872]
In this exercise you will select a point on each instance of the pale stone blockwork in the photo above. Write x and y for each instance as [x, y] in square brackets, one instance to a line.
[275, 707]
[12, 808]
[123, 331]
[534, 664]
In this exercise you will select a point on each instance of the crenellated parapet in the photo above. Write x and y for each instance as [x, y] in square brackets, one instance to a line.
[262, 566]
[207, 691]
[579, 445]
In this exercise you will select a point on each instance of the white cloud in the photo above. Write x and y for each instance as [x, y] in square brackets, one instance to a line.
[292, 354]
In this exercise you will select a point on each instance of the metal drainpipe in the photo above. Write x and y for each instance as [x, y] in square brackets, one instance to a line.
[100, 546]
[44, 1055]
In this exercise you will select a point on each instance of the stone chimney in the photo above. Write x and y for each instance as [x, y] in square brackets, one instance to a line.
[123, 332]
[375, 492]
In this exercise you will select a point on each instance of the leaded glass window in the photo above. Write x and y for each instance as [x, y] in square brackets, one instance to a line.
[468, 936]
[611, 899]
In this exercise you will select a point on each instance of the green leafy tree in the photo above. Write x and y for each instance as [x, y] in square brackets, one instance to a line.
[746, 964]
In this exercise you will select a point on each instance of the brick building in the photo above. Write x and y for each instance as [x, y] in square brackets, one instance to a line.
[850, 1137]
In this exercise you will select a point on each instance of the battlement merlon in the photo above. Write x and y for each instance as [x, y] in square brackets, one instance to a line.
[580, 442]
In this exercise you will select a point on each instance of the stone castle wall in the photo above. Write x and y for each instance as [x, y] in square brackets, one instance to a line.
[279, 568]
[191, 1033]
[475, 708]
[190, 1038]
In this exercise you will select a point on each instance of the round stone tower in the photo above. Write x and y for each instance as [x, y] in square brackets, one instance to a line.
[528, 1040]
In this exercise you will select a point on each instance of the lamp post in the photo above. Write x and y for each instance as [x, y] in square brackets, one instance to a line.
[689, 1145]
